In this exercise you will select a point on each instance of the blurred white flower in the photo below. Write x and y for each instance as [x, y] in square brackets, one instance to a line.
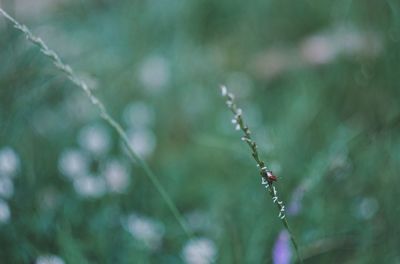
[138, 115]
[154, 73]
[73, 163]
[149, 231]
[95, 138]
[9, 162]
[324, 47]
[368, 208]
[116, 175]
[90, 186]
[5, 213]
[199, 251]
[49, 259]
[142, 141]
[318, 49]
[355, 42]
[6, 187]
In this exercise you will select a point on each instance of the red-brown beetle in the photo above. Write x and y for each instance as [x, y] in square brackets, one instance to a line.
[270, 177]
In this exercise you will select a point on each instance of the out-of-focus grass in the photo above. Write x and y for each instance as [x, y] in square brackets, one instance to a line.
[317, 80]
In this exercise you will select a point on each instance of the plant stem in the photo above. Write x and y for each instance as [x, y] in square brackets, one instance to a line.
[267, 178]
[69, 72]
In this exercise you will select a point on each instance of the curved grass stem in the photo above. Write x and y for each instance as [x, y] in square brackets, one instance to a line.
[72, 76]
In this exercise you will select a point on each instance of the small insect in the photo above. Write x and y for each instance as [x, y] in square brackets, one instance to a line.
[270, 177]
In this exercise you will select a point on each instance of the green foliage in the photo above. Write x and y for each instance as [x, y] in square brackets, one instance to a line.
[317, 82]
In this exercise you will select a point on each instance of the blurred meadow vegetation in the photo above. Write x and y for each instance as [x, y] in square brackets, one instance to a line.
[317, 82]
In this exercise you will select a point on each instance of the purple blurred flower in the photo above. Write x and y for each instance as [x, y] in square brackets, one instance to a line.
[295, 204]
[282, 251]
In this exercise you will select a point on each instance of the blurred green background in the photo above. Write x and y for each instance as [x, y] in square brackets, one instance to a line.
[318, 84]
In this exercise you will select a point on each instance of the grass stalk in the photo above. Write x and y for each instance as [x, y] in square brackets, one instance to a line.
[267, 177]
[104, 114]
